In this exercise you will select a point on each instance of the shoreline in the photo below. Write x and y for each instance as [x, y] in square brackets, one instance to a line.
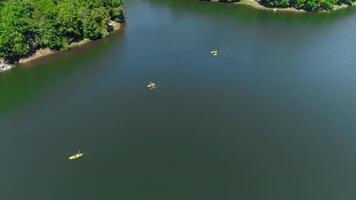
[256, 5]
[43, 52]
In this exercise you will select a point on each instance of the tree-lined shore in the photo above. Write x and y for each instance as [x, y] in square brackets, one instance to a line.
[29, 25]
[296, 5]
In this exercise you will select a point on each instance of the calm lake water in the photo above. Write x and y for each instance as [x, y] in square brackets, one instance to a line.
[273, 117]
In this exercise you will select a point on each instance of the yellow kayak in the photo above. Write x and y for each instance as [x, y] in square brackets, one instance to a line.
[76, 156]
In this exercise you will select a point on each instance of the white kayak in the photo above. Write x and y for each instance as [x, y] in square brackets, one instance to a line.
[151, 85]
[214, 52]
[76, 156]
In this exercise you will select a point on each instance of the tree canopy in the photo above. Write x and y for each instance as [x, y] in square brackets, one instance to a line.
[308, 5]
[26, 25]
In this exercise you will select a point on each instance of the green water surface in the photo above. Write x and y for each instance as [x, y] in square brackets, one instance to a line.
[273, 117]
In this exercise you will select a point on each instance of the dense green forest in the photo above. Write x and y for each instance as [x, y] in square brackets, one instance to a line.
[27, 25]
[307, 5]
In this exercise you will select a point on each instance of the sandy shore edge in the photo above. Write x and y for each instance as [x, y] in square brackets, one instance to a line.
[40, 53]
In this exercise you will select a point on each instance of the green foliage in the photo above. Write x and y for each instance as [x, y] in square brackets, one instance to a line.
[16, 29]
[299, 4]
[95, 22]
[347, 2]
[69, 21]
[276, 3]
[327, 4]
[48, 31]
[26, 25]
[312, 5]
[308, 5]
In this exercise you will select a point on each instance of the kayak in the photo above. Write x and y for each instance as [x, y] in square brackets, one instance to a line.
[151, 85]
[76, 156]
[214, 52]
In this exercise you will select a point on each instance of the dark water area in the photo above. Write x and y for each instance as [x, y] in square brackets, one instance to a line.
[271, 118]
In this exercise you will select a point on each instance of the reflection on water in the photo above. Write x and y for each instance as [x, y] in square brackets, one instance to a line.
[29, 79]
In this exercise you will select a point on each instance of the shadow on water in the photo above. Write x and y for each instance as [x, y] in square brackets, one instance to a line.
[28, 80]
